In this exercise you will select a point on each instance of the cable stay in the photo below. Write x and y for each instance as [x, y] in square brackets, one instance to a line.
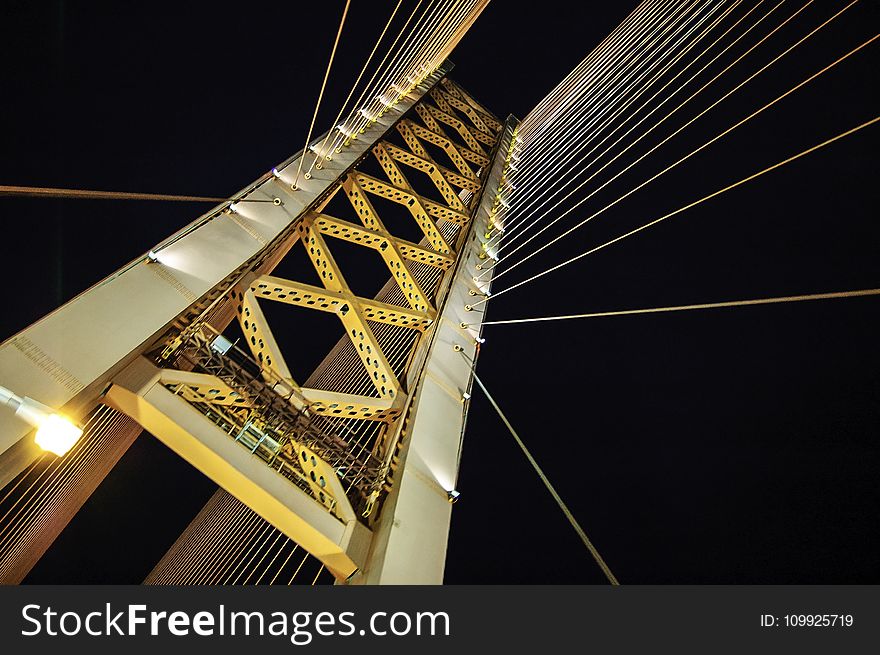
[583, 168]
[85, 194]
[544, 479]
[680, 308]
[321, 92]
[686, 157]
[323, 146]
[739, 58]
[684, 208]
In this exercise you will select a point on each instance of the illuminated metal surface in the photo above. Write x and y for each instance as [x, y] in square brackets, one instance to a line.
[66, 359]
[378, 387]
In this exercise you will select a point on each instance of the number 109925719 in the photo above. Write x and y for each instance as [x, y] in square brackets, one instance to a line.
[807, 621]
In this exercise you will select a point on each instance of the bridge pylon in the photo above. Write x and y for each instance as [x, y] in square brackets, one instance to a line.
[354, 466]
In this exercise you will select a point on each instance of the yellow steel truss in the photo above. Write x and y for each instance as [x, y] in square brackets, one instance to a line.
[476, 130]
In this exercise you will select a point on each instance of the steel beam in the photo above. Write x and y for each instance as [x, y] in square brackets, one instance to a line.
[68, 357]
[410, 537]
[339, 543]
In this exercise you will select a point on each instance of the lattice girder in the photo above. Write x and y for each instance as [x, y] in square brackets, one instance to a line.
[336, 302]
[481, 136]
[261, 340]
[425, 165]
[450, 101]
[462, 95]
[397, 177]
[474, 152]
[458, 156]
[458, 125]
[204, 388]
[324, 483]
[409, 286]
[350, 406]
[358, 184]
[367, 347]
[362, 236]
[335, 296]
[421, 208]
[440, 99]
[412, 132]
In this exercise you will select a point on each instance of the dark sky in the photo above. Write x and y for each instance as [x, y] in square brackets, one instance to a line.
[727, 446]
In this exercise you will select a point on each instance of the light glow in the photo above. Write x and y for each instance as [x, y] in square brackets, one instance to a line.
[387, 100]
[57, 434]
[347, 131]
[368, 115]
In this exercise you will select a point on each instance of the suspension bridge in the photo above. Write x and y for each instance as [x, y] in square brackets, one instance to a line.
[349, 474]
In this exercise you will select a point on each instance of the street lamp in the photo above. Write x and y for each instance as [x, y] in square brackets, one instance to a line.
[55, 433]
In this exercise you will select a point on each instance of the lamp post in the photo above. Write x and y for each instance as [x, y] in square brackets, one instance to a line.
[55, 432]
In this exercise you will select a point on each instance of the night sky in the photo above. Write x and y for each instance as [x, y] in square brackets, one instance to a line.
[725, 446]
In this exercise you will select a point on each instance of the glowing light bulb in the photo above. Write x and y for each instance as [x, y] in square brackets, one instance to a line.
[55, 432]
[57, 435]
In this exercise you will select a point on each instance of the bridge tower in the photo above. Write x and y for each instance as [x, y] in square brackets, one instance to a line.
[354, 466]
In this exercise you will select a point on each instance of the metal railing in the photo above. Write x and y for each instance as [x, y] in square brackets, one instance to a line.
[270, 418]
